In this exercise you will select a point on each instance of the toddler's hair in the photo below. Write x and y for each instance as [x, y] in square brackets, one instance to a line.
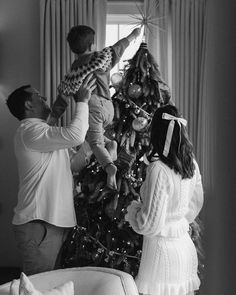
[80, 38]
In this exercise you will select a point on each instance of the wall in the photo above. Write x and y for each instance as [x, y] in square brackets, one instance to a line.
[19, 64]
[220, 204]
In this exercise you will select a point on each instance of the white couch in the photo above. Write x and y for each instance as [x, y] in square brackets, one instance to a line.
[87, 281]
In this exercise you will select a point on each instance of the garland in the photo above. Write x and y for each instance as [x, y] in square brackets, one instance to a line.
[104, 249]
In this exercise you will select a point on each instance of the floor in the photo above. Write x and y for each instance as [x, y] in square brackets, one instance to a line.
[8, 274]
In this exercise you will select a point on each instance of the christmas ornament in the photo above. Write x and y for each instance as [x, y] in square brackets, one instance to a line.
[135, 91]
[125, 160]
[139, 123]
[137, 111]
[116, 80]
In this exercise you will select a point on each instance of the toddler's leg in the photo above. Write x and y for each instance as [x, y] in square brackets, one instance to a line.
[81, 159]
[111, 170]
[97, 142]
[111, 146]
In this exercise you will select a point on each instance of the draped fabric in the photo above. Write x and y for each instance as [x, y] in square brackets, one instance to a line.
[179, 48]
[158, 35]
[188, 54]
[56, 19]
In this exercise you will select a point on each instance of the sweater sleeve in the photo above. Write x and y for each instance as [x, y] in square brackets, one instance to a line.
[196, 196]
[58, 108]
[118, 49]
[148, 218]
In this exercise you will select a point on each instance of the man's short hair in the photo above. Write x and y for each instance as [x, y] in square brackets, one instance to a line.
[80, 38]
[16, 101]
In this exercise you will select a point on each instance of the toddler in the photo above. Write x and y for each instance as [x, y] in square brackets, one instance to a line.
[101, 110]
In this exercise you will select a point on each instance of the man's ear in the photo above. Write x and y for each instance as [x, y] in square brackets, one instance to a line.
[28, 105]
[93, 47]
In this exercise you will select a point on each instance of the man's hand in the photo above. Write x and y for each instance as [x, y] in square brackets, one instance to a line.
[85, 90]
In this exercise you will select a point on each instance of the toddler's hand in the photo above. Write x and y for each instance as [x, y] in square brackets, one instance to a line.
[136, 32]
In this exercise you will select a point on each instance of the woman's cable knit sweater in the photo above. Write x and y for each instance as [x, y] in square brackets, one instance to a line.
[169, 203]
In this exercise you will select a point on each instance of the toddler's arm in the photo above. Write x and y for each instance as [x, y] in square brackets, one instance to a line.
[58, 109]
[134, 34]
[120, 46]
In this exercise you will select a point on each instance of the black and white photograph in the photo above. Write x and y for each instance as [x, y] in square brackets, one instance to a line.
[117, 147]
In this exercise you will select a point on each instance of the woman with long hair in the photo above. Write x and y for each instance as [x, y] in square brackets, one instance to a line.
[171, 199]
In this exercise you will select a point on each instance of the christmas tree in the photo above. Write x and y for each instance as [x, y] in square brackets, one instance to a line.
[102, 236]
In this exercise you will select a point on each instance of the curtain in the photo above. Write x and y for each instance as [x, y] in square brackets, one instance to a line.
[178, 45]
[56, 19]
[188, 17]
[158, 35]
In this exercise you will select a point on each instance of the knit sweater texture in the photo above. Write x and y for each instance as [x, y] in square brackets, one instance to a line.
[168, 205]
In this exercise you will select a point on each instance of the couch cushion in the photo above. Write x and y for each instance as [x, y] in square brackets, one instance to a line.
[87, 281]
[25, 287]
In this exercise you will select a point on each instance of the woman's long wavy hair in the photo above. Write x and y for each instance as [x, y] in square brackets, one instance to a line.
[180, 157]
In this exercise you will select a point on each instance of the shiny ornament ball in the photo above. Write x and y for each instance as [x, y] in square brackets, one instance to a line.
[139, 123]
[135, 91]
[137, 111]
[127, 175]
[116, 79]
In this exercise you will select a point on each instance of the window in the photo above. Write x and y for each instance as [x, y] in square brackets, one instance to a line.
[120, 23]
